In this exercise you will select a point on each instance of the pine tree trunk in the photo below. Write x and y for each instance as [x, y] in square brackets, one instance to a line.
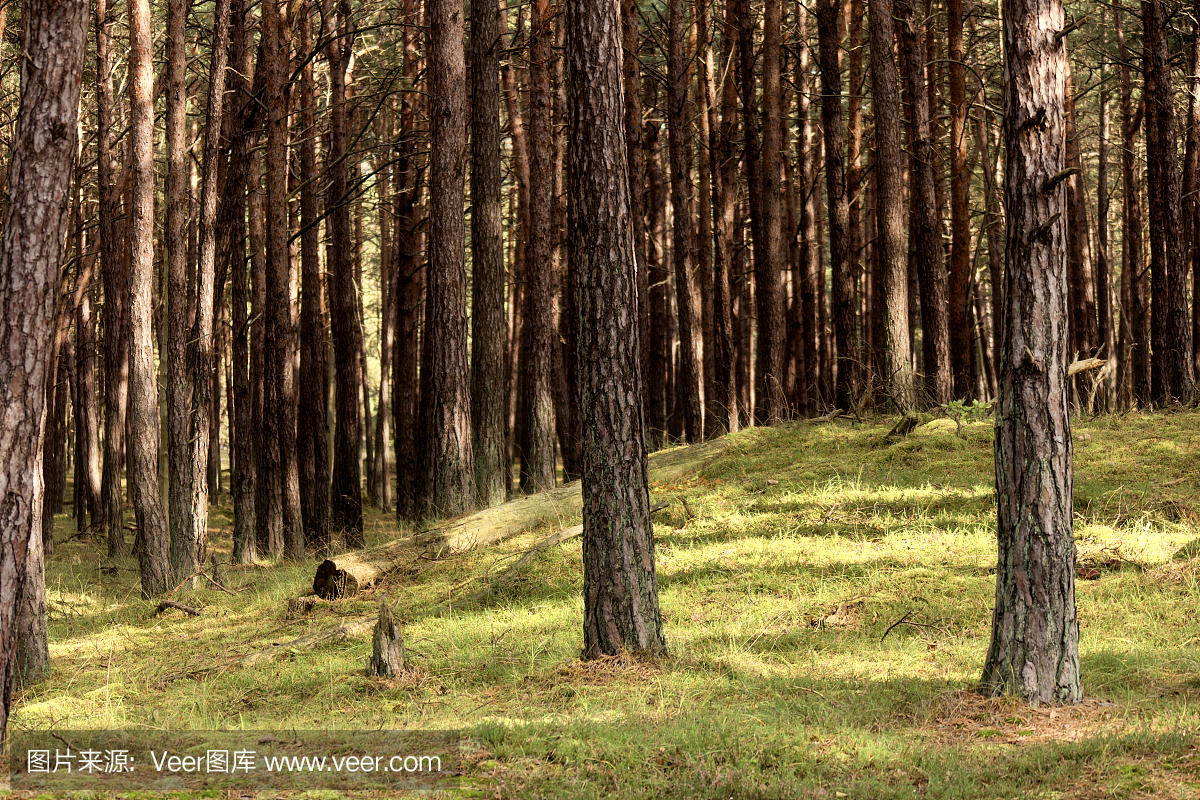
[1034, 650]
[34, 238]
[448, 483]
[142, 453]
[312, 443]
[688, 386]
[845, 325]
[898, 379]
[621, 611]
[1084, 340]
[1171, 371]
[807, 355]
[659, 282]
[960, 210]
[487, 258]
[930, 260]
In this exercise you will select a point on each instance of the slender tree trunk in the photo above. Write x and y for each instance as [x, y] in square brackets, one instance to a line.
[142, 455]
[541, 328]
[688, 386]
[387, 317]
[631, 67]
[87, 425]
[898, 378]
[621, 611]
[1106, 331]
[1191, 180]
[487, 257]
[845, 327]
[1034, 651]
[1079, 262]
[312, 422]
[242, 416]
[960, 211]
[115, 277]
[935, 326]
[449, 482]
[1171, 370]
[658, 277]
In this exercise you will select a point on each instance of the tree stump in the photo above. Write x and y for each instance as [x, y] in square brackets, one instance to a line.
[387, 651]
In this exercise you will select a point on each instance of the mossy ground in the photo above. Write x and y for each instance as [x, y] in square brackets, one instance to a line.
[782, 579]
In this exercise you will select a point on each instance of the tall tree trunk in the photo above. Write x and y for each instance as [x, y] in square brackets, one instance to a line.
[242, 430]
[723, 411]
[1136, 320]
[89, 512]
[1106, 331]
[960, 210]
[312, 421]
[845, 325]
[142, 455]
[1191, 181]
[935, 325]
[898, 378]
[688, 386]
[1079, 261]
[541, 328]
[387, 317]
[487, 257]
[659, 282]
[1034, 650]
[621, 610]
[631, 68]
[346, 496]
[115, 277]
[766, 203]
[1171, 371]
[449, 482]
[804, 275]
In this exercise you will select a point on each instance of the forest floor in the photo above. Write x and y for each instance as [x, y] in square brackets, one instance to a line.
[827, 606]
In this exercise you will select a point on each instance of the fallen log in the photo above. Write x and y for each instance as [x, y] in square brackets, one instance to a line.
[1083, 365]
[347, 575]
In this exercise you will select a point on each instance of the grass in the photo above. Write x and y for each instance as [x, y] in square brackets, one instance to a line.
[782, 581]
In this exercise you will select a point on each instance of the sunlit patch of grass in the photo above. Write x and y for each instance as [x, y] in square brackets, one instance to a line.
[827, 603]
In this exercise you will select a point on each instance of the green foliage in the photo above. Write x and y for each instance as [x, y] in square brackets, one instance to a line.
[828, 607]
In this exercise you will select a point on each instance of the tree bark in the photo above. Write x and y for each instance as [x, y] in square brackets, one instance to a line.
[845, 324]
[487, 258]
[930, 260]
[621, 611]
[960, 210]
[312, 419]
[689, 383]
[448, 482]
[898, 378]
[142, 455]
[1034, 650]
[1171, 371]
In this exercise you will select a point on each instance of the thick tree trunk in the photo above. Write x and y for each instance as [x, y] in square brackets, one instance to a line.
[898, 379]
[487, 258]
[142, 455]
[35, 228]
[1171, 372]
[621, 611]
[1034, 651]
[930, 259]
[689, 383]
[448, 466]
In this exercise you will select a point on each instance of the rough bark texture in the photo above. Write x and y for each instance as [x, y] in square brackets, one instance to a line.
[1191, 181]
[1034, 651]
[804, 314]
[1171, 370]
[487, 258]
[387, 646]
[449, 482]
[689, 380]
[621, 612]
[143, 423]
[35, 228]
[897, 378]
[845, 324]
